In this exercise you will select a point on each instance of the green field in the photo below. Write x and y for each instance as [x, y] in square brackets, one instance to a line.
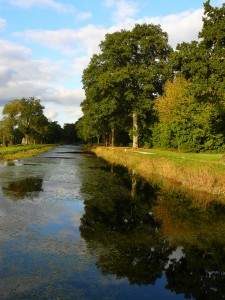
[21, 151]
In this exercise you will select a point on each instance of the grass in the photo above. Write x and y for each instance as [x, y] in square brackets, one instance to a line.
[196, 171]
[22, 151]
[198, 157]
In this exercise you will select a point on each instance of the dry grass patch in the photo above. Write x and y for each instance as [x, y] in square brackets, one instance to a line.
[181, 169]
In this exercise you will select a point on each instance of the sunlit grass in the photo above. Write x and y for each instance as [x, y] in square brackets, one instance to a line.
[198, 171]
[216, 157]
[21, 151]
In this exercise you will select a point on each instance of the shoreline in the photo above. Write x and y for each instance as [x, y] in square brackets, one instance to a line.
[22, 151]
[192, 175]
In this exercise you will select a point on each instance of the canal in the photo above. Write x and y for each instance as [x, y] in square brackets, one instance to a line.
[74, 227]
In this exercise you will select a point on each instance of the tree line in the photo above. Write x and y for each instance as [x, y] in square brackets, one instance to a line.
[140, 90]
[24, 122]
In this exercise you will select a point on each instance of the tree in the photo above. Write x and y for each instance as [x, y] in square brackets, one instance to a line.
[54, 132]
[11, 113]
[184, 123]
[100, 107]
[202, 63]
[32, 120]
[87, 129]
[213, 42]
[69, 133]
[122, 82]
[24, 116]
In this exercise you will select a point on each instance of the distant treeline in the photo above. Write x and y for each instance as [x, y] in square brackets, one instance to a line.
[24, 122]
[140, 90]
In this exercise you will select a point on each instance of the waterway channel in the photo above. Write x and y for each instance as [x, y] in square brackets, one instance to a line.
[74, 227]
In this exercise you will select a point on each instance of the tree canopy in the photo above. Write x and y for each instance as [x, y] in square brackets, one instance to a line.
[123, 80]
[24, 121]
[164, 98]
[202, 106]
[138, 89]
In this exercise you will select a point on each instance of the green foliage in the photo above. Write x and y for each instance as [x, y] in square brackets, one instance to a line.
[69, 133]
[129, 74]
[203, 62]
[192, 111]
[32, 121]
[124, 78]
[184, 123]
[54, 133]
[24, 119]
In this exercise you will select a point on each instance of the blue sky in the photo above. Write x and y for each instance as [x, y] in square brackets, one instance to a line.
[46, 44]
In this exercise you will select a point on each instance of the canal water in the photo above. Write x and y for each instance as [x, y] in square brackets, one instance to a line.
[74, 227]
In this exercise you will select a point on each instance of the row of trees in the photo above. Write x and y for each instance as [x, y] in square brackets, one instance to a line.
[24, 122]
[139, 87]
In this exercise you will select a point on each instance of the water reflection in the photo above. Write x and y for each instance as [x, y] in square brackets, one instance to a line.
[124, 235]
[200, 272]
[138, 235]
[23, 188]
[96, 231]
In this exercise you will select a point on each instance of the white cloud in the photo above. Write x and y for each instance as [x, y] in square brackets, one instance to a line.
[57, 6]
[62, 113]
[50, 114]
[183, 27]
[122, 9]
[83, 16]
[109, 3]
[80, 63]
[52, 4]
[17, 61]
[61, 95]
[69, 41]
[63, 104]
[180, 27]
[76, 45]
[22, 76]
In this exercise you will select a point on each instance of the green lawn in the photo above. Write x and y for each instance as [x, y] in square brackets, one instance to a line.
[19, 151]
[204, 157]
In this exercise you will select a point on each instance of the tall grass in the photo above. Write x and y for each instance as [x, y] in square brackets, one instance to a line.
[199, 172]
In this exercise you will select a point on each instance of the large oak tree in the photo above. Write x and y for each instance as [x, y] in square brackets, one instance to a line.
[25, 115]
[122, 82]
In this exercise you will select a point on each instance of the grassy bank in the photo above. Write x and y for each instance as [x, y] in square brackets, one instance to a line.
[199, 172]
[22, 151]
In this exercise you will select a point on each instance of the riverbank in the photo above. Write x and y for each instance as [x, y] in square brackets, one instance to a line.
[197, 172]
[22, 151]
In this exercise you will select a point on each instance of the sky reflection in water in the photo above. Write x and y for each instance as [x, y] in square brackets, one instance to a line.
[73, 227]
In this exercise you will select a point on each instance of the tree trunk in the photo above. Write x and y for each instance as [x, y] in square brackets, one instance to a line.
[113, 137]
[135, 130]
[26, 138]
[106, 139]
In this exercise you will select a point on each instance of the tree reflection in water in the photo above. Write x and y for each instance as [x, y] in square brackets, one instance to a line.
[22, 188]
[134, 232]
[200, 273]
[123, 234]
